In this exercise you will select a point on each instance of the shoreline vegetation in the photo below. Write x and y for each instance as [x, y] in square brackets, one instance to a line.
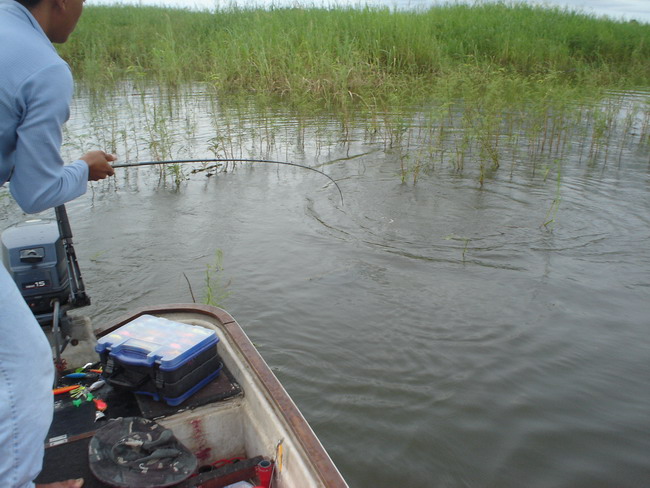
[470, 88]
[371, 56]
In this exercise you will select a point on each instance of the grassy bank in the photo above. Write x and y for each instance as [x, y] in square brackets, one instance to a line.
[371, 55]
[476, 89]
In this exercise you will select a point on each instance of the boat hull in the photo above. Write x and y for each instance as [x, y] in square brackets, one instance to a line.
[259, 419]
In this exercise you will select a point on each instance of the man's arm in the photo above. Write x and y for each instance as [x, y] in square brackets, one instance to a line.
[40, 180]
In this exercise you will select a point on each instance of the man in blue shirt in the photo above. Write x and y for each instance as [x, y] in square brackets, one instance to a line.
[35, 93]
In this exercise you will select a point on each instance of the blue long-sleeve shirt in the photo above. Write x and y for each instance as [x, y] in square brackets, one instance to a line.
[35, 93]
[36, 89]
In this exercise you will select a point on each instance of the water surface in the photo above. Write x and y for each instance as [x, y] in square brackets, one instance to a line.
[434, 333]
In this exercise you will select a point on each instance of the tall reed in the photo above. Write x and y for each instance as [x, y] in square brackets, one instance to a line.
[333, 56]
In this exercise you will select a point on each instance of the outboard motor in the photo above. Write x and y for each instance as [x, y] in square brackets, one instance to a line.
[40, 257]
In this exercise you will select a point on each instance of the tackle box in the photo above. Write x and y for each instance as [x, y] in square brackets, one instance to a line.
[167, 360]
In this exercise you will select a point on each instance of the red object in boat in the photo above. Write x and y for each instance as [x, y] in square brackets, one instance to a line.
[264, 471]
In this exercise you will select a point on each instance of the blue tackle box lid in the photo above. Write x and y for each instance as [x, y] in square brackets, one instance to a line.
[147, 340]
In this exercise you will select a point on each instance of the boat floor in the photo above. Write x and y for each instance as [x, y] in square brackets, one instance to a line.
[73, 426]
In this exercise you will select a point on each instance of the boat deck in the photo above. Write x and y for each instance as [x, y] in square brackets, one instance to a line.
[73, 426]
[243, 414]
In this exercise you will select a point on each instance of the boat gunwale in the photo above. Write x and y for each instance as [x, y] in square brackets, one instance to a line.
[317, 456]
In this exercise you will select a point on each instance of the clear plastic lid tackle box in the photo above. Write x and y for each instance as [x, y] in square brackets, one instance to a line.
[159, 357]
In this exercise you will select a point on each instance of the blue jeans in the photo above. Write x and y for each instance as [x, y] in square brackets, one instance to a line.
[26, 400]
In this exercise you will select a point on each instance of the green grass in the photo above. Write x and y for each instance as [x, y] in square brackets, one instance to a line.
[478, 89]
[215, 292]
[368, 56]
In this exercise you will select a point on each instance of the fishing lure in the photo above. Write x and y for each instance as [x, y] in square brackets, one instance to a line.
[82, 393]
[83, 368]
[100, 404]
[96, 385]
[64, 389]
[80, 375]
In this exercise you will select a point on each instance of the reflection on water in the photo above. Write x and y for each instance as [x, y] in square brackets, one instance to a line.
[433, 330]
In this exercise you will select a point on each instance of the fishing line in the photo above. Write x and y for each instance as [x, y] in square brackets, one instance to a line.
[229, 160]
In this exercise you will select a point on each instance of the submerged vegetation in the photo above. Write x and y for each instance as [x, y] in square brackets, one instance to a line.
[476, 89]
[215, 291]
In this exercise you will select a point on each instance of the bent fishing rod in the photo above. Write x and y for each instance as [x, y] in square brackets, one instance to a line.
[229, 160]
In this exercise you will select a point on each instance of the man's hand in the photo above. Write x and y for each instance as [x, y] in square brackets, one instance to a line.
[98, 165]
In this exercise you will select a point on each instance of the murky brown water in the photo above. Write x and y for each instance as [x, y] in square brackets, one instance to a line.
[433, 334]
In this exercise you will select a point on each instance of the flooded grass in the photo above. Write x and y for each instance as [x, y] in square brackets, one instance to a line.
[466, 138]
[477, 90]
[215, 291]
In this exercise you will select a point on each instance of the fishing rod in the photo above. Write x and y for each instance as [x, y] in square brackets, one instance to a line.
[229, 160]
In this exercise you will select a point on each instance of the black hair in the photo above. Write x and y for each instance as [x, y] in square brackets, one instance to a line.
[29, 3]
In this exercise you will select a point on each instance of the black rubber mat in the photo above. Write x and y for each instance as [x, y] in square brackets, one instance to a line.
[221, 388]
[66, 453]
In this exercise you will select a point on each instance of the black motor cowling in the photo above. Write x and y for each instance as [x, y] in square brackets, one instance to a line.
[42, 263]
